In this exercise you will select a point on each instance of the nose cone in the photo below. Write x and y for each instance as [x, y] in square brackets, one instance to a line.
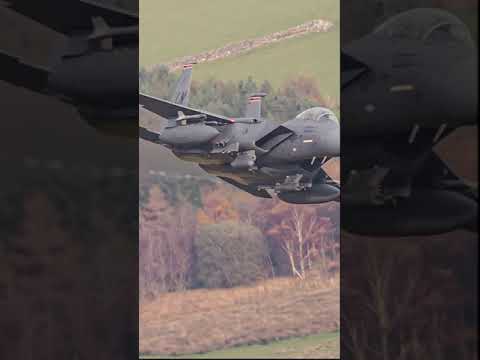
[329, 139]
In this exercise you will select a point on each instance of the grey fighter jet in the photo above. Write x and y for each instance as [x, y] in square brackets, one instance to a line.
[252, 153]
[96, 69]
[405, 87]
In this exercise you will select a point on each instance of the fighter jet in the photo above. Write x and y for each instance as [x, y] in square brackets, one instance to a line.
[252, 153]
[96, 69]
[405, 87]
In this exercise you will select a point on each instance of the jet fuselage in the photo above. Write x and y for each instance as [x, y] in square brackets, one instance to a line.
[300, 140]
[416, 86]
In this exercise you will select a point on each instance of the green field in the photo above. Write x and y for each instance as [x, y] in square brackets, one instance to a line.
[310, 55]
[323, 346]
[169, 29]
[186, 32]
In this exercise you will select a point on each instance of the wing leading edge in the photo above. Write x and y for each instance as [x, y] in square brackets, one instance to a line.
[19, 74]
[170, 110]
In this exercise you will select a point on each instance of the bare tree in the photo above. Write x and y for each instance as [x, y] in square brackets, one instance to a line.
[166, 244]
[303, 236]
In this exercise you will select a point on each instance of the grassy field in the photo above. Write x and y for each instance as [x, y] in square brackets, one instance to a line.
[322, 346]
[169, 30]
[185, 32]
[310, 55]
[199, 321]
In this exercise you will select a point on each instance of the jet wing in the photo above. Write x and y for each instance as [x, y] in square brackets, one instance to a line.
[148, 135]
[315, 172]
[351, 69]
[323, 178]
[170, 110]
[68, 16]
[19, 74]
[435, 171]
[250, 189]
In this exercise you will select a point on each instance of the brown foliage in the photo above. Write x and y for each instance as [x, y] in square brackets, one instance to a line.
[217, 207]
[305, 87]
[225, 203]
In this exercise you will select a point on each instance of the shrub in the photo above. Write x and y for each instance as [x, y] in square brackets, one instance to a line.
[229, 254]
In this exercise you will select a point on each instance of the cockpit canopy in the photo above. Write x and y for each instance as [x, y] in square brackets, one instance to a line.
[317, 114]
[428, 25]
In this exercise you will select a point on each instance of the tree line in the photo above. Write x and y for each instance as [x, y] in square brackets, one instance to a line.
[210, 235]
[228, 98]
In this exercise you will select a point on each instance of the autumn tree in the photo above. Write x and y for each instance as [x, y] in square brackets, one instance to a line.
[304, 237]
[228, 98]
[218, 206]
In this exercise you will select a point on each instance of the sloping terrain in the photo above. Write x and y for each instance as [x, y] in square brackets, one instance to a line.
[205, 320]
[169, 30]
[167, 34]
[309, 55]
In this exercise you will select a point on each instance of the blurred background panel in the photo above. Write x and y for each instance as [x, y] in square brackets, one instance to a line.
[69, 249]
[403, 296]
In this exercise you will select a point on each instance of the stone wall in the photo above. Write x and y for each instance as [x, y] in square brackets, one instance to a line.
[237, 48]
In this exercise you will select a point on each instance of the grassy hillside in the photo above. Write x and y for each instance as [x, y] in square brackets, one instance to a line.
[310, 55]
[206, 320]
[322, 346]
[169, 30]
